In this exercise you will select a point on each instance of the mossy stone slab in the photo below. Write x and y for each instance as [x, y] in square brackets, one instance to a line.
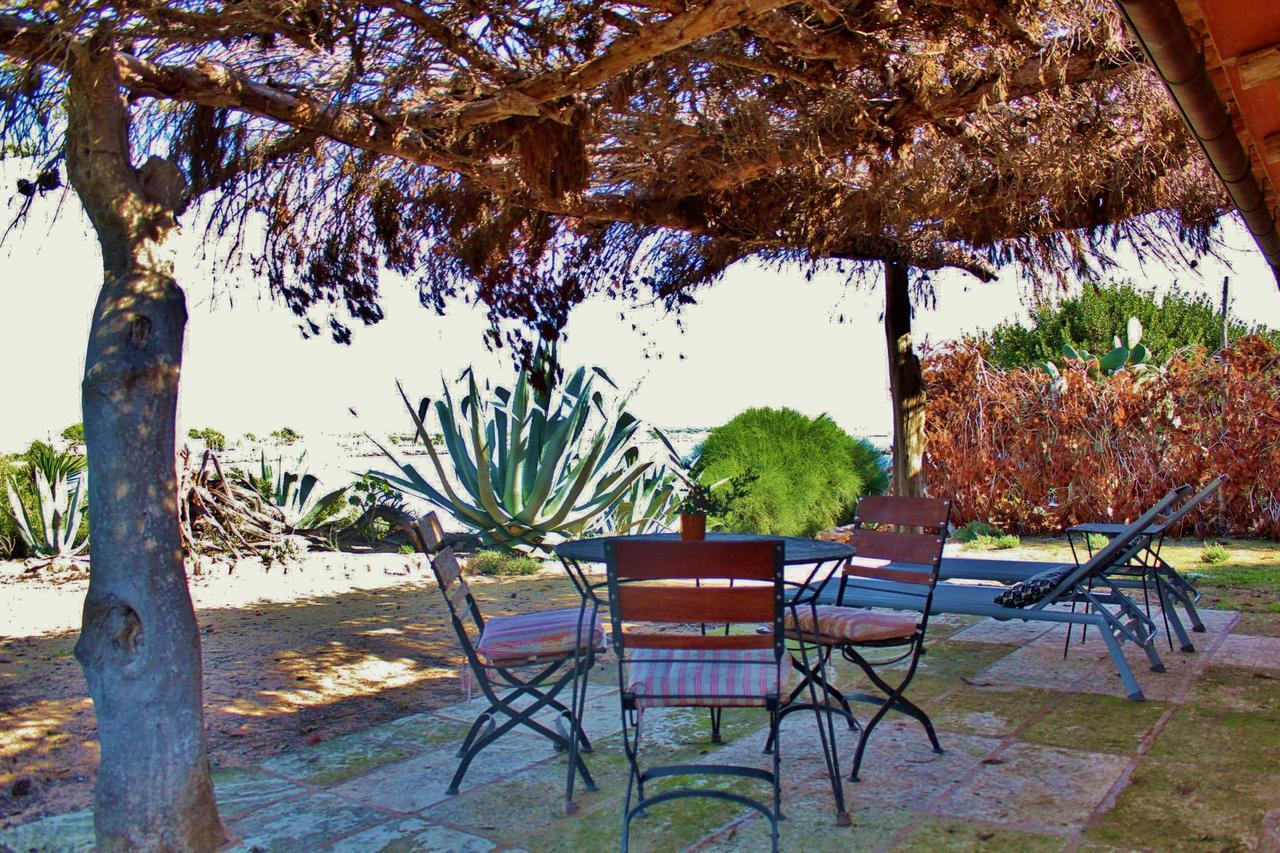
[241, 790]
[1097, 723]
[944, 834]
[1043, 788]
[411, 834]
[64, 833]
[335, 761]
[1218, 737]
[1237, 689]
[991, 711]
[301, 824]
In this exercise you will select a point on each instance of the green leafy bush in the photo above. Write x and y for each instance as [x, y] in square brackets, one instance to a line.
[1214, 553]
[798, 475]
[286, 435]
[498, 563]
[1090, 320]
[212, 439]
[74, 433]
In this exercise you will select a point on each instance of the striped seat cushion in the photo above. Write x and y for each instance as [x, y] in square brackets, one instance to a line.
[717, 677]
[852, 624]
[530, 636]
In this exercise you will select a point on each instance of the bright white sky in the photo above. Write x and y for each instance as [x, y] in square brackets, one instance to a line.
[759, 337]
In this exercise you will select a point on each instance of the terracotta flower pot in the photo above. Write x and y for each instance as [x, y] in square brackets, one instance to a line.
[693, 528]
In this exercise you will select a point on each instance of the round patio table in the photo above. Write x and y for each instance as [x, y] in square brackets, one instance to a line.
[796, 550]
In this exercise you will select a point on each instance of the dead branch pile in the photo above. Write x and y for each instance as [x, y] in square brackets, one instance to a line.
[223, 515]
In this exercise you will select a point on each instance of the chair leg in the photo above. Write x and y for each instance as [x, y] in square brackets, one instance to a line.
[810, 677]
[482, 721]
[823, 718]
[1132, 689]
[894, 700]
[774, 721]
[1169, 607]
[716, 714]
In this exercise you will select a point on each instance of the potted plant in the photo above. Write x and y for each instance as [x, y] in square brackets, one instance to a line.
[698, 502]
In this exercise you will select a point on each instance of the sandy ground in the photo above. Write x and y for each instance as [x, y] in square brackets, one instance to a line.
[330, 644]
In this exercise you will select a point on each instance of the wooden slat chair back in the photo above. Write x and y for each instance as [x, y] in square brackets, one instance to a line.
[663, 583]
[429, 538]
[900, 555]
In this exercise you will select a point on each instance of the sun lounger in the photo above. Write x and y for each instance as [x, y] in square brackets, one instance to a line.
[1105, 605]
[1146, 569]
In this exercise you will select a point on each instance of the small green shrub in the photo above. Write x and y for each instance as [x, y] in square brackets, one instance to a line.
[498, 563]
[286, 435]
[1214, 553]
[974, 529]
[798, 475]
[248, 436]
[1096, 542]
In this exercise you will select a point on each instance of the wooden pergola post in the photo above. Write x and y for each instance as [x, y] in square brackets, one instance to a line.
[906, 384]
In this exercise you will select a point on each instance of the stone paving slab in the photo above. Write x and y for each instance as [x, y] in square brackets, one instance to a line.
[412, 834]
[997, 631]
[1040, 788]
[1250, 652]
[601, 716]
[65, 833]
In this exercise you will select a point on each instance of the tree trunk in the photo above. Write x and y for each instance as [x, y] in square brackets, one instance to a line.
[139, 644]
[906, 384]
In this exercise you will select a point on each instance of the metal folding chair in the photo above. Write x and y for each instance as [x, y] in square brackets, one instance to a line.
[888, 547]
[529, 658]
[655, 586]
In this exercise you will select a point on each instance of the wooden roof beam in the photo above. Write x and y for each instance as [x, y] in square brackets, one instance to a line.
[1259, 66]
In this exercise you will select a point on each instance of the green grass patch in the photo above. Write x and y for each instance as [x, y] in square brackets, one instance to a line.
[502, 564]
[1004, 542]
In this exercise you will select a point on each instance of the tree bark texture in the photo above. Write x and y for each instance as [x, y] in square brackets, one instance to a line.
[906, 384]
[139, 644]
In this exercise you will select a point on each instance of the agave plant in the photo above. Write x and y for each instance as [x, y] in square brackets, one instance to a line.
[59, 503]
[295, 494]
[649, 506]
[529, 462]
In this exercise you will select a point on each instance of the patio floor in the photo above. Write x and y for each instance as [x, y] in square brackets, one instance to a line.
[1042, 753]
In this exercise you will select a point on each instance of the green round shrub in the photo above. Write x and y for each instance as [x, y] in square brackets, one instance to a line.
[795, 475]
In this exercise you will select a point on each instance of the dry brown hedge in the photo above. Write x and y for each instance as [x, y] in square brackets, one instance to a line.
[1034, 456]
